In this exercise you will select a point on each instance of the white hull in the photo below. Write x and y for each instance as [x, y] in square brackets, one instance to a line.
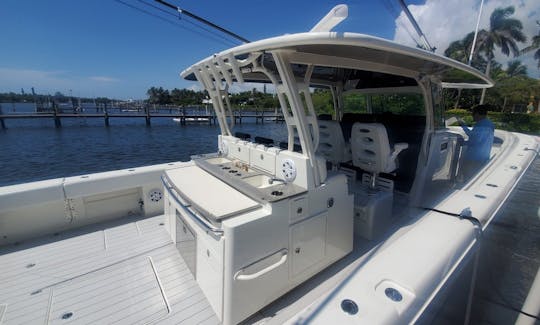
[52, 208]
[263, 234]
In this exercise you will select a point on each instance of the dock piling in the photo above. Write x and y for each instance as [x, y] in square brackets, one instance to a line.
[106, 116]
[147, 118]
[2, 119]
[57, 121]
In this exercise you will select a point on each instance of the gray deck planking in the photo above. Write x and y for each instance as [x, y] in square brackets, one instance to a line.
[122, 272]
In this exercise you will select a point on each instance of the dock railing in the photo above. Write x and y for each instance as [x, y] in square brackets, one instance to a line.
[146, 112]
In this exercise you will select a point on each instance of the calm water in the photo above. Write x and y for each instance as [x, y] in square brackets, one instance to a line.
[34, 150]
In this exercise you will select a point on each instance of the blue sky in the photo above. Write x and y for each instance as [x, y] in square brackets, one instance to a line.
[105, 48]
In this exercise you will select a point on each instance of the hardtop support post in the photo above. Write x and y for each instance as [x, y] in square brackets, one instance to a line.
[308, 132]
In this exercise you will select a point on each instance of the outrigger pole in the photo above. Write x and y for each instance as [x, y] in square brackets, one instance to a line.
[476, 32]
[202, 20]
[416, 27]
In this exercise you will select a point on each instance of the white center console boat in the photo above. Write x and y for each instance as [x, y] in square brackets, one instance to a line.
[362, 216]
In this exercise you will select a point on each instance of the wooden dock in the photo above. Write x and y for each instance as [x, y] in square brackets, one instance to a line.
[184, 119]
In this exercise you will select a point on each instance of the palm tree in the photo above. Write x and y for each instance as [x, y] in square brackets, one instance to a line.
[460, 50]
[535, 45]
[516, 69]
[504, 33]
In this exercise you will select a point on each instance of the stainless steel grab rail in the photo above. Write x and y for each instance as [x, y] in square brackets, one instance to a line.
[243, 275]
[201, 221]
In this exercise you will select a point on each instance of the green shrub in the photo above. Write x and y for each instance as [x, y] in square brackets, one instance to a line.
[515, 122]
[458, 112]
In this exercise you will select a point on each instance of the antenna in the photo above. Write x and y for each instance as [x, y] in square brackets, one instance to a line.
[416, 27]
[476, 32]
[202, 20]
[332, 19]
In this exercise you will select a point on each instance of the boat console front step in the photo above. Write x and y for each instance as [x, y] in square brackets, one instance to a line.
[126, 271]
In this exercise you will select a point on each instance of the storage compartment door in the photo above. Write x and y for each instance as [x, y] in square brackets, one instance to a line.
[186, 243]
[308, 243]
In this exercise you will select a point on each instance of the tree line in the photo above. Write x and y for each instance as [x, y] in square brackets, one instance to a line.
[512, 85]
[58, 97]
[186, 97]
[513, 88]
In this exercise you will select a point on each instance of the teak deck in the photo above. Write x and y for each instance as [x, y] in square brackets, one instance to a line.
[128, 271]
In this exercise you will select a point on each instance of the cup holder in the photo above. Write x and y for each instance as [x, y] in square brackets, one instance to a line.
[277, 193]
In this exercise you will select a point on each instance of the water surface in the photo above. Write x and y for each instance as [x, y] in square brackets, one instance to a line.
[33, 149]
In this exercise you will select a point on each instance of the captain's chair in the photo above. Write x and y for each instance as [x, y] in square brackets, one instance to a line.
[371, 149]
[332, 145]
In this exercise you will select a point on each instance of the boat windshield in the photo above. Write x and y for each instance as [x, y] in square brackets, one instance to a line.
[397, 103]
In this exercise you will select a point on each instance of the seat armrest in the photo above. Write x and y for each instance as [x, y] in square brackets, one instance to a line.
[398, 148]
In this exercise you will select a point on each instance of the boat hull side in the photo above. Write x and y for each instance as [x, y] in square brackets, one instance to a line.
[46, 207]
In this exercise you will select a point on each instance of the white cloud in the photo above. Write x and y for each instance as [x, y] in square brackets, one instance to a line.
[446, 21]
[195, 87]
[43, 81]
[103, 79]
[26, 78]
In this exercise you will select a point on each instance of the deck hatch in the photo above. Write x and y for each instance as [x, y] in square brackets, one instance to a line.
[126, 291]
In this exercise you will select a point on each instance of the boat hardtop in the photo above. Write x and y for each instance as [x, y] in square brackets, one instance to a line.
[361, 216]
[343, 50]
